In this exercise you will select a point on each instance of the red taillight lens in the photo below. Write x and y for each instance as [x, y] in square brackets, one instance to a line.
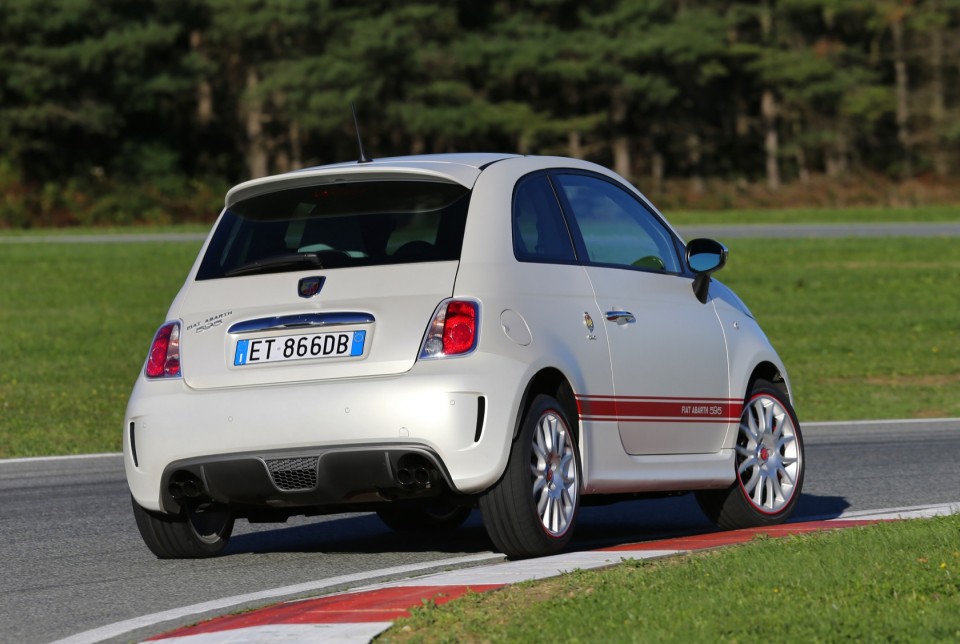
[459, 327]
[163, 360]
[453, 330]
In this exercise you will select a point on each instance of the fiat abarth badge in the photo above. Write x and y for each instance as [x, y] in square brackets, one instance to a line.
[310, 286]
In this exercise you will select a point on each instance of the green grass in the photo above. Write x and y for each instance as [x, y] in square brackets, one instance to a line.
[105, 230]
[902, 585]
[944, 213]
[866, 327]
[76, 323]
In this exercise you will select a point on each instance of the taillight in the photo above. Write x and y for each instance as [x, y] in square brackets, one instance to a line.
[163, 361]
[454, 330]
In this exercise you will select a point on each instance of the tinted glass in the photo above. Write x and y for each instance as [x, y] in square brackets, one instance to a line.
[539, 232]
[617, 229]
[335, 226]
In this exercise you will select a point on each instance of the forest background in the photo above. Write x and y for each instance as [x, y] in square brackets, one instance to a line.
[134, 111]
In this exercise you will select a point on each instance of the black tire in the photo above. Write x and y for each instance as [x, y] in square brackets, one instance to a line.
[436, 516]
[768, 472]
[527, 514]
[195, 534]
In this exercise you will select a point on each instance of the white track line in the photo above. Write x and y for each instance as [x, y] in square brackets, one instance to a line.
[69, 457]
[880, 421]
[912, 512]
[119, 628]
[353, 633]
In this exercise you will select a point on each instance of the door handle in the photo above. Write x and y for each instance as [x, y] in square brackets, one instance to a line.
[621, 317]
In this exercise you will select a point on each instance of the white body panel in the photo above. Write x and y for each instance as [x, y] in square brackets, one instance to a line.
[400, 302]
[654, 352]
[434, 405]
[533, 318]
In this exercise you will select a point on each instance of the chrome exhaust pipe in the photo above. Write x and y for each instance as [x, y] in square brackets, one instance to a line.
[176, 491]
[191, 489]
[421, 475]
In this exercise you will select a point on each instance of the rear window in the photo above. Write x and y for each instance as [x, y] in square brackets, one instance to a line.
[341, 225]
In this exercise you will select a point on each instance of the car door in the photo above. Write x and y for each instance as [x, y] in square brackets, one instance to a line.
[553, 292]
[668, 355]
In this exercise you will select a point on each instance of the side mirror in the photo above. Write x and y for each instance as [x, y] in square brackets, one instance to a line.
[704, 257]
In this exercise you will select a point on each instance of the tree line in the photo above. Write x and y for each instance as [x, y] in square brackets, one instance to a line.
[176, 98]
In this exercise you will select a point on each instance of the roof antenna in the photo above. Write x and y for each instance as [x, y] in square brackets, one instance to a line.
[363, 155]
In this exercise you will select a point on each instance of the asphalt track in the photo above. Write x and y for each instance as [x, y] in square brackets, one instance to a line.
[721, 232]
[73, 561]
[796, 231]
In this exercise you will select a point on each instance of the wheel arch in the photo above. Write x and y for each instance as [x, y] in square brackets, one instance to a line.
[553, 382]
[772, 374]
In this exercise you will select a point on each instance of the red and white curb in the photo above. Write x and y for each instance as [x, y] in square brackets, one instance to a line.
[359, 615]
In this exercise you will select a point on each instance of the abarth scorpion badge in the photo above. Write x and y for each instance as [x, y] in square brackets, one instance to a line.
[310, 286]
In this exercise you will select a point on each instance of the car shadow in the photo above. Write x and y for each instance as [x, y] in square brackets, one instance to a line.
[812, 507]
[598, 526]
[655, 519]
[358, 534]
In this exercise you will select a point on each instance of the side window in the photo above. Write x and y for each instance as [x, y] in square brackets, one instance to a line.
[539, 232]
[617, 229]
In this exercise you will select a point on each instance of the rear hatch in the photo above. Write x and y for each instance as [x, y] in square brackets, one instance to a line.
[334, 279]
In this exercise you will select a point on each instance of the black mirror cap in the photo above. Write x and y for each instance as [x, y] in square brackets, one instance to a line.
[705, 256]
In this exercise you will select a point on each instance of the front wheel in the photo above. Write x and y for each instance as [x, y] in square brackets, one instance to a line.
[769, 465]
[532, 510]
[193, 534]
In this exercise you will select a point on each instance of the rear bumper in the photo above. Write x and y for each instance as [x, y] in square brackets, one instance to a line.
[462, 421]
[284, 479]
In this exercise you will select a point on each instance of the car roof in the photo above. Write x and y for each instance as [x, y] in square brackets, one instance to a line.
[459, 168]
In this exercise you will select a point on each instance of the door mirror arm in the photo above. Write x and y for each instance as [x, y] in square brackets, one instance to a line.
[705, 257]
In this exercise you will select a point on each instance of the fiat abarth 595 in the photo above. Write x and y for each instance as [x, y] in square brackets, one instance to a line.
[420, 336]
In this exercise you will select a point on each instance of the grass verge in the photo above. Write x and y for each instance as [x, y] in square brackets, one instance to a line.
[942, 213]
[77, 320]
[903, 585]
[865, 326]
[88, 231]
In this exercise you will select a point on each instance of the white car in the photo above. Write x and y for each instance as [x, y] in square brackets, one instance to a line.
[419, 336]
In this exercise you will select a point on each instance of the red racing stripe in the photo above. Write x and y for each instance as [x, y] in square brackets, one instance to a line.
[659, 409]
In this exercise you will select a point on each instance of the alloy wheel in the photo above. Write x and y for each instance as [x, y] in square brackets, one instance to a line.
[555, 479]
[769, 456]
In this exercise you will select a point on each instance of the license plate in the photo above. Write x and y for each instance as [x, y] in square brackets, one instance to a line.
[299, 347]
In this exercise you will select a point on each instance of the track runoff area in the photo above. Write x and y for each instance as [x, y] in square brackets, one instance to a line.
[361, 614]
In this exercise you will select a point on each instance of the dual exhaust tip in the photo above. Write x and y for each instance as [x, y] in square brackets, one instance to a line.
[416, 471]
[186, 485]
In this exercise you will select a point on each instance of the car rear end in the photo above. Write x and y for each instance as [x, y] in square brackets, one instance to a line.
[310, 359]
